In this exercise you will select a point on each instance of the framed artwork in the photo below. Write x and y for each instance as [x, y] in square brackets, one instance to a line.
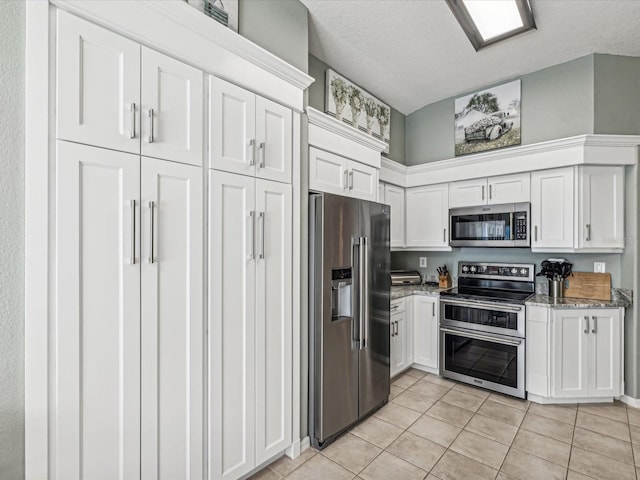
[223, 11]
[487, 119]
[351, 104]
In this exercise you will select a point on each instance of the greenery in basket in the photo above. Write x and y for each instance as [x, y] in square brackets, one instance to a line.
[370, 107]
[383, 115]
[356, 102]
[340, 92]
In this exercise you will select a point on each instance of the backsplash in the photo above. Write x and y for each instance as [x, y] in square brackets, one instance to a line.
[582, 262]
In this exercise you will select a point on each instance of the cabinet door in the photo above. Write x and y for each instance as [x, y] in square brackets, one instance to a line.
[552, 203]
[604, 353]
[232, 112]
[363, 181]
[569, 353]
[427, 214]
[398, 343]
[96, 336]
[509, 189]
[274, 141]
[381, 192]
[327, 172]
[232, 375]
[601, 217]
[468, 193]
[394, 196]
[172, 109]
[273, 318]
[425, 337]
[98, 83]
[172, 320]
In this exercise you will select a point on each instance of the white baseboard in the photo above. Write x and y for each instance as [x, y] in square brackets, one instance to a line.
[424, 368]
[632, 402]
[297, 447]
[305, 443]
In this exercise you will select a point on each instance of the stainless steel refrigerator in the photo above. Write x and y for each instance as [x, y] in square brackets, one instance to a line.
[349, 266]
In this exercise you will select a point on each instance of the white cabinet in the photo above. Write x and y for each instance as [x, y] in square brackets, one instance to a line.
[425, 331]
[552, 204]
[250, 322]
[381, 192]
[514, 188]
[248, 134]
[427, 216]
[129, 325]
[106, 82]
[586, 353]
[394, 196]
[601, 207]
[398, 336]
[335, 174]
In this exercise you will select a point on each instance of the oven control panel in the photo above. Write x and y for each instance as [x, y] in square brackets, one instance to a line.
[507, 271]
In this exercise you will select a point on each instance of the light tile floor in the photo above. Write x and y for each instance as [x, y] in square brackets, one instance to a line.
[433, 428]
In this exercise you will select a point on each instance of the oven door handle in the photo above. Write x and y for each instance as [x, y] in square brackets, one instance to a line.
[478, 336]
[490, 306]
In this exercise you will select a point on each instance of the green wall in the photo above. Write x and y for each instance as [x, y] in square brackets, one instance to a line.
[279, 26]
[617, 94]
[316, 95]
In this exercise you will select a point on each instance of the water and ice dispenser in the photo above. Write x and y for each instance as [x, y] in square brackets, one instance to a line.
[341, 293]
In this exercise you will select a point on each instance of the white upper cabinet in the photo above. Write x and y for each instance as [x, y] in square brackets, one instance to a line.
[490, 191]
[427, 216]
[552, 204]
[381, 198]
[335, 174]
[172, 109]
[248, 134]
[98, 83]
[394, 196]
[601, 208]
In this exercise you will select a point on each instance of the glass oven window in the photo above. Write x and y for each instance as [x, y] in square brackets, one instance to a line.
[489, 361]
[493, 318]
[490, 226]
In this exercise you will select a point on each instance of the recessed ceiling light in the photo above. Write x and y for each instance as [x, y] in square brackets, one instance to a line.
[490, 21]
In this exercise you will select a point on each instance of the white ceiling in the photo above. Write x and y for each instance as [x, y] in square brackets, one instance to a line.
[410, 53]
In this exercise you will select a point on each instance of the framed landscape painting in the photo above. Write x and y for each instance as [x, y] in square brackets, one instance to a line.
[349, 103]
[488, 119]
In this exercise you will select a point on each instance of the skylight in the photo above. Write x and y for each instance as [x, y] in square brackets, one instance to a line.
[490, 21]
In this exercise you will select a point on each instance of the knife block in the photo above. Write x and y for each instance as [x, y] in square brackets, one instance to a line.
[444, 281]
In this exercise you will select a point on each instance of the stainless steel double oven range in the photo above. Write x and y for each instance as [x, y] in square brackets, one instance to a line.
[482, 326]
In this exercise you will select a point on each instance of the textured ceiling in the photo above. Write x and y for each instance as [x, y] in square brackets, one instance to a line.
[410, 53]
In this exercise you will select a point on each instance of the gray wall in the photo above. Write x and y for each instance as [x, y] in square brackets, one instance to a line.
[12, 33]
[317, 69]
[557, 102]
[279, 26]
[616, 95]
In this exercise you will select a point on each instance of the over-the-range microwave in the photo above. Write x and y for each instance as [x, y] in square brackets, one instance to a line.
[506, 225]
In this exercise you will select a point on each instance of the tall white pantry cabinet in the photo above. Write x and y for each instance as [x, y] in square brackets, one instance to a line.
[165, 343]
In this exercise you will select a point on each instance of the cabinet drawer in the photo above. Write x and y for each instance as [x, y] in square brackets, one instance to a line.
[398, 305]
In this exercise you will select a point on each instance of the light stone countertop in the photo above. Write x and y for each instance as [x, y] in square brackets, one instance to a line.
[619, 299]
[399, 291]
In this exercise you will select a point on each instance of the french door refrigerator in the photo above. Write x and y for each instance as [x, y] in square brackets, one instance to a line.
[349, 263]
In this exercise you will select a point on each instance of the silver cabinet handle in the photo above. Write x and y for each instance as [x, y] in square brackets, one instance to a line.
[588, 226]
[482, 192]
[487, 306]
[444, 235]
[252, 160]
[345, 180]
[132, 203]
[586, 324]
[594, 329]
[351, 180]
[433, 309]
[535, 234]
[490, 192]
[393, 329]
[395, 307]
[261, 220]
[478, 336]
[150, 115]
[151, 231]
[396, 328]
[262, 154]
[252, 252]
[133, 121]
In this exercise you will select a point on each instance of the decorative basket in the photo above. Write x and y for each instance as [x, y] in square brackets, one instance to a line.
[218, 14]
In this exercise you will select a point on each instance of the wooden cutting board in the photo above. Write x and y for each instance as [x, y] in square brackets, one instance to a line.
[596, 286]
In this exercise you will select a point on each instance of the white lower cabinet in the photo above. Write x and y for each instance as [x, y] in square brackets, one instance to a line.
[425, 331]
[128, 352]
[250, 338]
[398, 336]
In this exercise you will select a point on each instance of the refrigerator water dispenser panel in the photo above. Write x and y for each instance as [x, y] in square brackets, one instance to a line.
[341, 284]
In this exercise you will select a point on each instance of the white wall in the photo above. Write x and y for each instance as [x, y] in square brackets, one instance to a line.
[12, 38]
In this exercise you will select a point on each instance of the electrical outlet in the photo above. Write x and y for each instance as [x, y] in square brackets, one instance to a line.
[423, 262]
[599, 267]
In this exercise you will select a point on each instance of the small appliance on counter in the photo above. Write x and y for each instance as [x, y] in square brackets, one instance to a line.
[555, 270]
[405, 277]
[444, 279]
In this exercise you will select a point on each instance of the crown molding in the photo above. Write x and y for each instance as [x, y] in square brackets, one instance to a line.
[329, 123]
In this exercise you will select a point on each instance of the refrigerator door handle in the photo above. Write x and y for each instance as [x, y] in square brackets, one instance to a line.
[361, 291]
[364, 302]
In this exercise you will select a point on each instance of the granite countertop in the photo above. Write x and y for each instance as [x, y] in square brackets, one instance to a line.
[619, 299]
[399, 291]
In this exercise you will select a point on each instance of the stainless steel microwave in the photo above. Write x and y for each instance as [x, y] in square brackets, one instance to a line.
[507, 225]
